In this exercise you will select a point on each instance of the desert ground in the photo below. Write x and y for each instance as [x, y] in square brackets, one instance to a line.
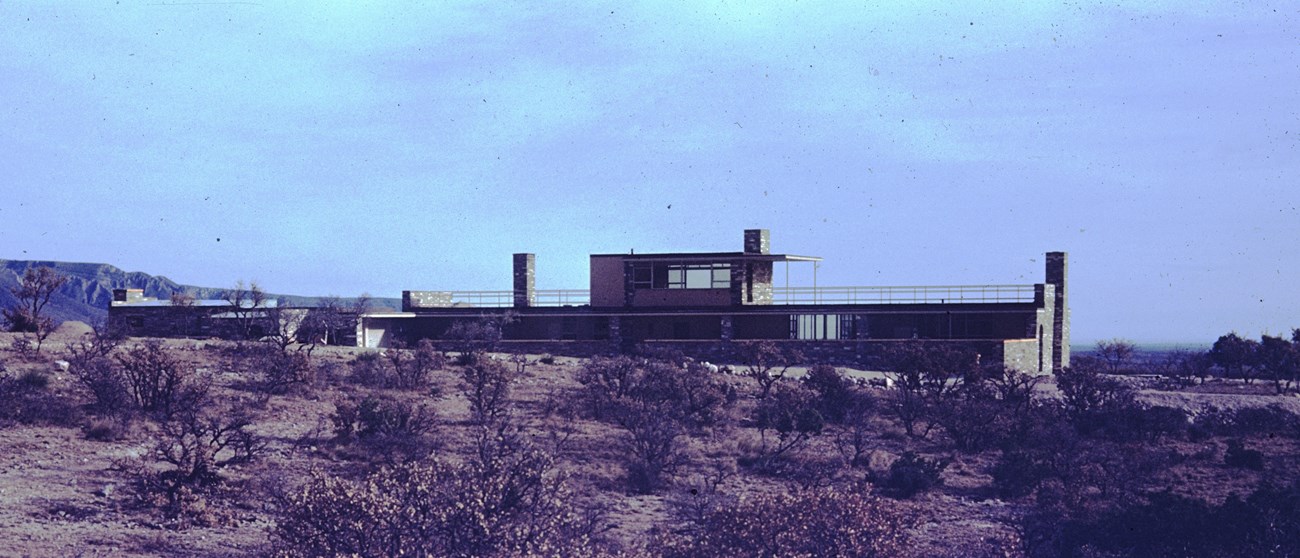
[75, 479]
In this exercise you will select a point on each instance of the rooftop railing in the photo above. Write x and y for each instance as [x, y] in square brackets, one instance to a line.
[952, 294]
[505, 299]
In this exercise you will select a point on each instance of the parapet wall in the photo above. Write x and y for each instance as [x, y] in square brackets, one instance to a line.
[425, 299]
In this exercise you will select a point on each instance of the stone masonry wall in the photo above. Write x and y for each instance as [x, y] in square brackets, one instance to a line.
[871, 355]
[757, 241]
[525, 280]
[1045, 299]
[1058, 270]
[425, 299]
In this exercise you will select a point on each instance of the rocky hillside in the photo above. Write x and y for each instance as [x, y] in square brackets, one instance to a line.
[86, 295]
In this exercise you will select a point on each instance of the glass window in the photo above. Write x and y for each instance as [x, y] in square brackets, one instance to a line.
[676, 277]
[721, 277]
[699, 278]
[641, 276]
[821, 326]
[681, 276]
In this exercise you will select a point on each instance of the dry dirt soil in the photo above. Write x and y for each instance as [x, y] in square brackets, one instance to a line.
[62, 494]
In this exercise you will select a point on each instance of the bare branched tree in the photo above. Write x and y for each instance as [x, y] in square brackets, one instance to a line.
[33, 292]
[182, 311]
[1116, 352]
[766, 363]
[246, 304]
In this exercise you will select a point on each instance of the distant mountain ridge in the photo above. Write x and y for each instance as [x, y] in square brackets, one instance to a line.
[89, 290]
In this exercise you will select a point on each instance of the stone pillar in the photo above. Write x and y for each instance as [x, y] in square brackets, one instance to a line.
[615, 331]
[629, 285]
[1044, 328]
[1058, 267]
[728, 329]
[756, 241]
[525, 292]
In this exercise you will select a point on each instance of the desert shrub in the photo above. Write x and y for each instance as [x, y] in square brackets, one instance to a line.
[701, 398]
[1043, 444]
[398, 367]
[812, 523]
[1018, 472]
[608, 380]
[1185, 367]
[1248, 421]
[193, 445]
[1273, 419]
[486, 384]
[1159, 421]
[106, 429]
[1101, 406]
[90, 362]
[377, 417]
[34, 380]
[1166, 526]
[1085, 389]
[685, 391]
[974, 419]
[987, 407]
[23, 346]
[475, 338]
[331, 371]
[200, 442]
[853, 435]
[104, 380]
[370, 369]
[1097, 476]
[1266, 523]
[786, 420]
[835, 393]
[699, 495]
[547, 359]
[27, 400]
[1069, 471]
[926, 381]
[653, 447]
[387, 428]
[411, 369]
[912, 474]
[157, 381]
[1132, 422]
[513, 504]
[1237, 455]
[655, 402]
[765, 362]
[274, 370]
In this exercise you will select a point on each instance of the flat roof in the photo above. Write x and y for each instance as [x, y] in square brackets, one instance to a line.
[712, 256]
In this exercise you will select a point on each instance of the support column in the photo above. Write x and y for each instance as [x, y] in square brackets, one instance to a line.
[728, 329]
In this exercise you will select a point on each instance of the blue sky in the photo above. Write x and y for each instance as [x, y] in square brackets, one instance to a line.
[379, 147]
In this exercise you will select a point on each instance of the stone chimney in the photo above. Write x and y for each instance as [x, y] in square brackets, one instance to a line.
[525, 277]
[1058, 268]
[127, 296]
[756, 242]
